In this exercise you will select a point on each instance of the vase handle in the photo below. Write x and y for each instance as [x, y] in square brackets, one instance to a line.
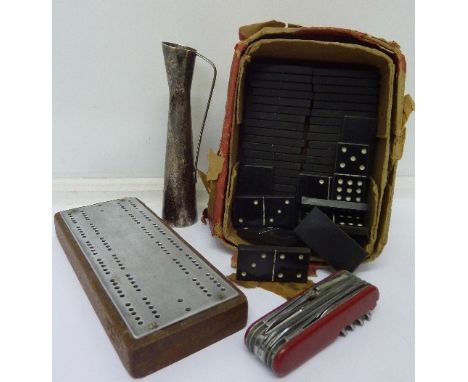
[206, 111]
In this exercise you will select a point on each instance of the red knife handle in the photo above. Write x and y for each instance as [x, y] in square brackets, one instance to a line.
[282, 305]
[324, 331]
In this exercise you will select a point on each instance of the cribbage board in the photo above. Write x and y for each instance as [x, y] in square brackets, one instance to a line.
[158, 299]
[307, 134]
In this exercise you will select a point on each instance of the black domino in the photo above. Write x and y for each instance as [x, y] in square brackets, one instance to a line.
[254, 180]
[271, 263]
[281, 77]
[277, 164]
[369, 72]
[328, 160]
[281, 211]
[347, 106]
[357, 129]
[330, 97]
[265, 211]
[248, 211]
[328, 136]
[328, 146]
[330, 129]
[282, 93]
[273, 132]
[326, 121]
[281, 68]
[317, 167]
[305, 209]
[349, 188]
[350, 219]
[321, 153]
[280, 189]
[292, 102]
[352, 159]
[254, 263]
[339, 113]
[285, 172]
[246, 154]
[284, 180]
[270, 147]
[361, 239]
[353, 222]
[346, 81]
[273, 124]
[281, 85]
[280, 109]
[328, 241]
[275, 117]
[280, 141]
[314, 186]
[287, 165]
[287, 157]
[337, 89]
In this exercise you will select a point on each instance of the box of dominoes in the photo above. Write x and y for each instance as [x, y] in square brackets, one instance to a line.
[315, 117]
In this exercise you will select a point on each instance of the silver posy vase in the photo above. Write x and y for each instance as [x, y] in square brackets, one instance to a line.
[179, 200]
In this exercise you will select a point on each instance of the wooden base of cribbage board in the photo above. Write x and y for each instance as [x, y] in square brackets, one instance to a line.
[158, 299]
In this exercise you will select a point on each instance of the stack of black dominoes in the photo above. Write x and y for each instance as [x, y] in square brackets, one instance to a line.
[307, 138]
[277, 108]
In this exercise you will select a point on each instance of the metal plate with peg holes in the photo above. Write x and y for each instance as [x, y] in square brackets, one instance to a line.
[152, 277]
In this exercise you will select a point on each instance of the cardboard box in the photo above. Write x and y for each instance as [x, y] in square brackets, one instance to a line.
[276, 40]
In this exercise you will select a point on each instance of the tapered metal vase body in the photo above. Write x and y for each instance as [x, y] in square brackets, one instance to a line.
[179, 200]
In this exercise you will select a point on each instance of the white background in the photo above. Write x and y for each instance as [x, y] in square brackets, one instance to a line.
[109, 116]
[25, 119]
[110, 95]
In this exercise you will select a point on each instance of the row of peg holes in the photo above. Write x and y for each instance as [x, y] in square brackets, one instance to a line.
[85, 215]
[91, 248]
[80, 231]
[132, 282]
[144, 215]
[72, 218]
[102, 265]
[118, 262]
[145, 230]
[122, 206]
[132, 312]
[194, 279]
[98, 260]
[134, 218]
[158, 228]
[93, 227]
[105, 243]
[117, 288]
[150, 306]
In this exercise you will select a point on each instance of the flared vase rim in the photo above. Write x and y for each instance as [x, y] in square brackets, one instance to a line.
[177, 46]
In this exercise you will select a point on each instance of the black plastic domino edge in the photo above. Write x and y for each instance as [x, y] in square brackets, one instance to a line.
[355, 231]
[333, 204]
[269, 236]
